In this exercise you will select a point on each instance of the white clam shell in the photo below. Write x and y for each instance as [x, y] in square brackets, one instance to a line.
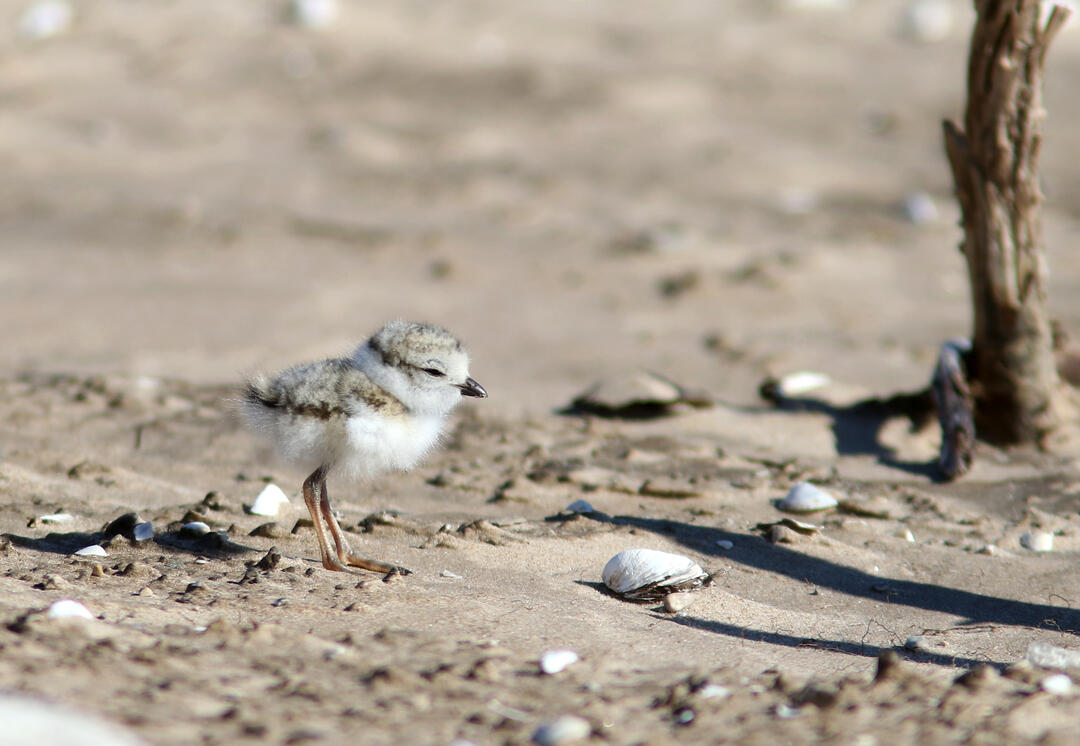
[195, 528]
[94, 550]
[649, 573]
[66, 608]
[269, 501]
[554, 661]
[1038, 541]
[804, 497]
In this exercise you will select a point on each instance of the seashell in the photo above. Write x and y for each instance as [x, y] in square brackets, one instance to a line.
[804, 497]
[1058, 683]
[554, 661]
[269, 501]
[725, 544]
[143, 531]
[94, 550]
[1038, 541]
[195, 528]
[648, 574]
[635, 395]
[56, 518]
[66, 608]
[580, 506]
[565, 729]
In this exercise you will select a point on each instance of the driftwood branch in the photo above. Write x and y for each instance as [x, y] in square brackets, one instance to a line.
[1017, 393]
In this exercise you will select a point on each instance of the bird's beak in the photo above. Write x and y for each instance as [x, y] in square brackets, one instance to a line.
[472, 388]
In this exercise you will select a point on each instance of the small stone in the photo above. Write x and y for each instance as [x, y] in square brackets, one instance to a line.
[714, 691]
[45, 19]
[122, 526]
[451, 575]
[905, 534]
[580, 506]
[915, 642]
[676, 602]
[801, 382]
[94, 550]
[554, 661]
[1038, 541]
[270, 560]
[565, 729]
[919, 208]
[143, 531]
[269, 501]
[52, 582]
[56, 518]
[194, 528]
[1058, 683]
[725, 544]
[97, 571]
[269, 530]
[67, 608]
[146, 591]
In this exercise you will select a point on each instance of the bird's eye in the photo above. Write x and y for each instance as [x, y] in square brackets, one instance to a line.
[434, 372]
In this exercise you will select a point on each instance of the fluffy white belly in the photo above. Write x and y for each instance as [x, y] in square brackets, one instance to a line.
[377, 446]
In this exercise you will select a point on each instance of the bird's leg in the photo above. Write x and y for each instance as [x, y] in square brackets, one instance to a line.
[313, 498]
[344, 552]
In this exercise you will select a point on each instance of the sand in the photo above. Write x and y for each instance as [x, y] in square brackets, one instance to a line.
[198, 190]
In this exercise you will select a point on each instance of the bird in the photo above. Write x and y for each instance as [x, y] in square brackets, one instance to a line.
[381, 409]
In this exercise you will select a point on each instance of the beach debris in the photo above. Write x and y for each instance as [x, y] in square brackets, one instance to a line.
[554, 661]
[94, 550]
[580, 506]
[919, 208]
[313, 14]
[564, 729]
[194, 528]
[786, 530]
[636, 395]
[1058, 683]
[725, 544]
[804, 497]
[56, 518]
[955, 407]
[1045, 655]
[143, 531]
[1038, 541]
[676, 602]
[66, 608]
[449, 574]
[800, 382]
[269, 501]
[31, 722]
[649, 574]
[44, 19]
[927, 21]
[905, 534]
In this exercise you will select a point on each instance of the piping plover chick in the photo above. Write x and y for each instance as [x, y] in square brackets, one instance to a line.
[379, 410]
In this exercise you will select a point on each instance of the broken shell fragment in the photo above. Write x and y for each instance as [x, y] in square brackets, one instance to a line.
[804, 497]
[195, 528]
[269, 501]
[143, 531]
[94, 550]
[66, 608]
[1038, 541]
[648, 574]
[554, 661]
[56, 518]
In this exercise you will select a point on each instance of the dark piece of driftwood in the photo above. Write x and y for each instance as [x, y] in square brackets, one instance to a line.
[955, 409]
[1018, 395]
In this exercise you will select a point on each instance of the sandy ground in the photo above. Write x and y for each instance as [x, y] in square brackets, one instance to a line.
[197, 190]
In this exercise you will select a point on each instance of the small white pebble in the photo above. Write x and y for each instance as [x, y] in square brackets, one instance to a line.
[802, 382]
[554, 661]
[448, 574]
[676, 602]
[786, 712]
[66, 608]
[905, 534]
[94, 550]
[269, 501]
[44, 19]
[56, 518]
[714, 691]
[915, 642]
[724, 543]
